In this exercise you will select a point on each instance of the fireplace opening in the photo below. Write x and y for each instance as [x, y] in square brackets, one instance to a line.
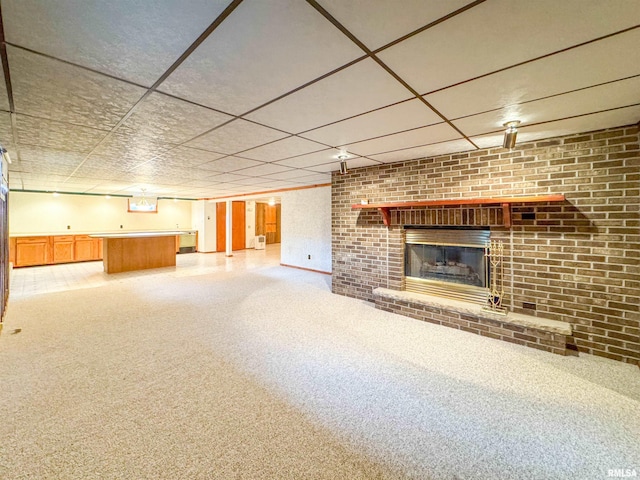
[447, 262]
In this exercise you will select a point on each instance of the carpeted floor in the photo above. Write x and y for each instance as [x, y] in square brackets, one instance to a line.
[249, 370]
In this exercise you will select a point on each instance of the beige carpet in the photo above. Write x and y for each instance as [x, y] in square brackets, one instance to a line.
[262, 373]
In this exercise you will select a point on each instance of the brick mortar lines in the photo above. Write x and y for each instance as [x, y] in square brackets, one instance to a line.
[577, 261]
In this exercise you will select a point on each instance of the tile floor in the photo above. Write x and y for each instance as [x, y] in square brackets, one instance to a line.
[28, 281]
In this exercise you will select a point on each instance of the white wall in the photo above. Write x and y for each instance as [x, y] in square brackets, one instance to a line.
[250, 222]
[306, 228]
[203, 219]
[42, 213]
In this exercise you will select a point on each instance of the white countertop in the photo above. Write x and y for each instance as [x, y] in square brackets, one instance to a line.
[169, 233]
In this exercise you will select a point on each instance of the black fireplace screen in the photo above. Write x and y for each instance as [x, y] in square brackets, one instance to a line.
[445, 263]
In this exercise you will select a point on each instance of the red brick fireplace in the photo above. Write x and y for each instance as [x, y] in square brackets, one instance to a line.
[573, 261]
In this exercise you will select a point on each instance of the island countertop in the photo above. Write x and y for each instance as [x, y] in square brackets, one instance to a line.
[167, 233]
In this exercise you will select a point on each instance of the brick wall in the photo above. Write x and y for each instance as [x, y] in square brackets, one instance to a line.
[577, 261]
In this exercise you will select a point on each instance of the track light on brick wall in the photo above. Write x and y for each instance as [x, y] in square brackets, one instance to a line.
[510, 134]
[343, 164]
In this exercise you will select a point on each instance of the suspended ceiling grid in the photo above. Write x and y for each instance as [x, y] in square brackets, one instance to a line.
[208, 98]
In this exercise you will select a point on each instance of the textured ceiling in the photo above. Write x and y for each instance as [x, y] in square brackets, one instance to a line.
[210, 98]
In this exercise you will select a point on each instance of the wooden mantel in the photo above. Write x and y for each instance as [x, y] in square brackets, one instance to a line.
[385, 208]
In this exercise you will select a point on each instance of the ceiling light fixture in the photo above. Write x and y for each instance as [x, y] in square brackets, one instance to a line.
[343, 164]
[510, 134]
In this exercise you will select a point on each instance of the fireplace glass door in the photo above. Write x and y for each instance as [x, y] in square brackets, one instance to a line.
[448, 263]
[445, 263]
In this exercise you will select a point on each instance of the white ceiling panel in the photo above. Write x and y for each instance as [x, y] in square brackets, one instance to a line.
[264, 169]
[318, 158]
[315, 179]
[137, 41]
[360, 88]
[369, 21]
[603, 97]
[425, 151]
[419, 136]
[392, 119]
[124, 151]
[290, 175]
[448, 53]
[188, 157]
[285, 148]
[46, 88]
[263, 50]
[35, 131]
[351, 163]
[604, 61]
[236, 136]
[228, 178]
[170, 120]
[229, 164]
[6, 135]
[586, 123]
[4, 99]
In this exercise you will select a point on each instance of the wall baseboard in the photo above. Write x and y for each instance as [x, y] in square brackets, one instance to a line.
[303, 268]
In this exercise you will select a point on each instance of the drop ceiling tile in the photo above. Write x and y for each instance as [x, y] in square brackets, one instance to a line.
[603, 61]
[188, 157]
[98, 173]
[251, 181]
[264, 169]
[42, 168]
[433, 150]
[49, 159]
[6, 134]
[229, 164]
[296, 174]
[359, 88]
[585, 123]
[4, 99]
[55, 135]
[370, 21]
[315, 179]
[236, 136]
[392, 119]
[352, 163]
[603, 97]
[285, 148]
[318, 158]
[228, 177]
[263, 50]
[48, 88]
[504, 33]
[132, 40]
[170, 120]
[413, 138]
[123, 151]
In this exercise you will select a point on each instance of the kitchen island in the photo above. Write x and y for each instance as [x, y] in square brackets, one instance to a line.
[124, 252]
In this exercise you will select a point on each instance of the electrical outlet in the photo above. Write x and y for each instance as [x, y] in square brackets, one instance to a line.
[120, 226]
[308, 257]
[68, 227]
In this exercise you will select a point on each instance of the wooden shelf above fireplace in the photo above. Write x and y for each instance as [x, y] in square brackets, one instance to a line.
[385, 208]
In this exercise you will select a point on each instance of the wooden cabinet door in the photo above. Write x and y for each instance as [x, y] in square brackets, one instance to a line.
[97, 248]
[83, 248]
[63, 249]
[31, 251]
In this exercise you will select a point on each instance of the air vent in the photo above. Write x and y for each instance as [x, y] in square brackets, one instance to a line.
[528, 216]
[529, 306]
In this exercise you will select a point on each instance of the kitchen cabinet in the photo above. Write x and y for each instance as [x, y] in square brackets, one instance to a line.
[52, 249]
[62, 249]
[32, 251]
